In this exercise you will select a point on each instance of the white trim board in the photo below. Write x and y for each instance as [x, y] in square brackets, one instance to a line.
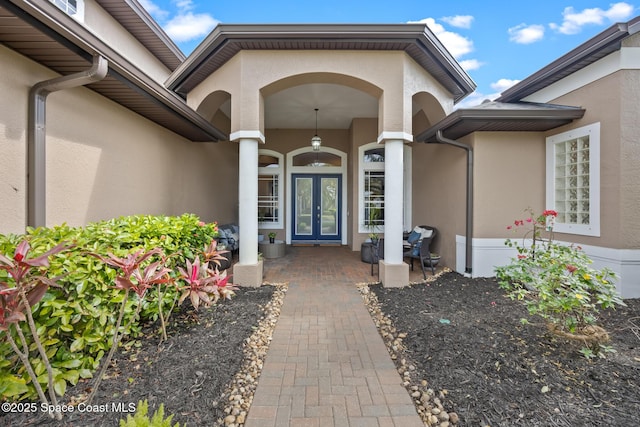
[627, 58]
[490, 253]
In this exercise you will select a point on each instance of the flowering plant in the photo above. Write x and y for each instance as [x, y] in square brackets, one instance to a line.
[556, 282]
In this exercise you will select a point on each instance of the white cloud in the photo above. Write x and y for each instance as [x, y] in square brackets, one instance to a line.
[470, 64]
[526, 34]
[183, 5]
[574, 21]
[456, 44]
[156, 11]
[503, 84]
[475, 99]
[460, 21]
[184, 25]
[189, 26]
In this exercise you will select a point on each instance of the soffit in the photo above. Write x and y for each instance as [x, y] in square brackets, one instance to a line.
[43, 33]
[137, 21]
[502, 117]
[414, 39]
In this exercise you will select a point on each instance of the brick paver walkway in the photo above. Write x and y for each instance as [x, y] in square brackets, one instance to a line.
[327, 365]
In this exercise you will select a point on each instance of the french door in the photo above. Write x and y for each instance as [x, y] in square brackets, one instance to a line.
[317, 208]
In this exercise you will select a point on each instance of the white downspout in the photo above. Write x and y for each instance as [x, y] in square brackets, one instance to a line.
[36, 134]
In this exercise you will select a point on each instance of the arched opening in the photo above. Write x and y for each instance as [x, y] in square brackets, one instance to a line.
[427, 111]
[216, 108]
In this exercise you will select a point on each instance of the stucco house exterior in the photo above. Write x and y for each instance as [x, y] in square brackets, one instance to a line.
[102, 116]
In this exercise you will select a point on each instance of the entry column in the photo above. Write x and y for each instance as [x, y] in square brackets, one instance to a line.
[393, 271]
[248, 271]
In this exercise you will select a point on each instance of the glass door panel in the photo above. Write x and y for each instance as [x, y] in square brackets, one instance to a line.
[329, 206]
[304, 206]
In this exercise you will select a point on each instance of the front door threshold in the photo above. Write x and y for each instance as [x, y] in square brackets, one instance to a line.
[316, 243]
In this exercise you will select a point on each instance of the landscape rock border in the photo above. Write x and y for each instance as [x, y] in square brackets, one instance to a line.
[238, 396]
[428, 402]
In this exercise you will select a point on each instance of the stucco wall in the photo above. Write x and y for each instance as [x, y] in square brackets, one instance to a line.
[105, 161]
[509, 177]
[630, 158]
[391, 76]
[439, 194]
[603, 100]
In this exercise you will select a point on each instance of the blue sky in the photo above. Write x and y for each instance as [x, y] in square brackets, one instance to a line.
[498, 42]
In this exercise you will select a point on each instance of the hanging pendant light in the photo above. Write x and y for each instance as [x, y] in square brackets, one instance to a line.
[316, 141]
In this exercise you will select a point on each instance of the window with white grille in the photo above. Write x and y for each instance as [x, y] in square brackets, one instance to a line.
[371, 188]
[573, 180]
[270, 189]
[74, 8]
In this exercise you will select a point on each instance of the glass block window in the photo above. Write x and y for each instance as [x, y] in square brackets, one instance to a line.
[573, 180]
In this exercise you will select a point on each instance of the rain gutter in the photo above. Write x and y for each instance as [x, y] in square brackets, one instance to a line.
[469, 211]
[36, 134]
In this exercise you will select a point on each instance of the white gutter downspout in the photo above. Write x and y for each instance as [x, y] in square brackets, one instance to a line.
[36, 134]
[469, 231]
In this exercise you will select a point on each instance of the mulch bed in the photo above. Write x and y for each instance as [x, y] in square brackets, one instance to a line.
[465, 338]
[189, 373]
[462, 337]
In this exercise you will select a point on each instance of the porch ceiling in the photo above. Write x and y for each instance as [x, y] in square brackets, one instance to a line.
[46, 35]
[499, 116]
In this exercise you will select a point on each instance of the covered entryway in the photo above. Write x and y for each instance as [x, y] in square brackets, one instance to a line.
[360, 81]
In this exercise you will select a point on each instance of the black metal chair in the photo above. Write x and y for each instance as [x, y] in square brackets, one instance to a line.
[377, 253]
[421, 250]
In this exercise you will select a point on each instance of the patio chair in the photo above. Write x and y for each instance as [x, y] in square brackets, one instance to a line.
[420, 247]
[377, 253]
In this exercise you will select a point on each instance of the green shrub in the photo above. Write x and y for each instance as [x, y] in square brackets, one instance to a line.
[141, 418]
[76, 321]
[557, 283]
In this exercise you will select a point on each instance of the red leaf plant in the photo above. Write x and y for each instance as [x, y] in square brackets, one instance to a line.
[204, 284]
[131, 277]
[30, 284]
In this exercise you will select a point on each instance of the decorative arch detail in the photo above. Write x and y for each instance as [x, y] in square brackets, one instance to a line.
[216, 107]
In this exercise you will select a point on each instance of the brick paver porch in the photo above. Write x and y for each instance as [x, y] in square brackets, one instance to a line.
[327, 365]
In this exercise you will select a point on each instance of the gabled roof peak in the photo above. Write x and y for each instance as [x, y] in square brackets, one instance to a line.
[415, 39]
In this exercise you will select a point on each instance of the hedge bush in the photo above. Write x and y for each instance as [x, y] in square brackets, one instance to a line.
[76, 322]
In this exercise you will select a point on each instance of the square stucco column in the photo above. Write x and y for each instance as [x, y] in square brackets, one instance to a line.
[393, 271]
[248, 271]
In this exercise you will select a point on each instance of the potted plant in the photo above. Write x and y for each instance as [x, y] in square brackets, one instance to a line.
[272, 237]
[435, 259]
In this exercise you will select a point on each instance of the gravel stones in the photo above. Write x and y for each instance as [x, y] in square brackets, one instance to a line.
[239, 394]
[428, 402]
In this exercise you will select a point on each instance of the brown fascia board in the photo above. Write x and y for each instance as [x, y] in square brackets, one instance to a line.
[588, 52]
[227, 37]
[480, 116]
[149, 26]
[76, 34]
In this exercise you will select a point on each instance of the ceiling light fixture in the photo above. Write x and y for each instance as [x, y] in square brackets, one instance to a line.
[316, 141]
